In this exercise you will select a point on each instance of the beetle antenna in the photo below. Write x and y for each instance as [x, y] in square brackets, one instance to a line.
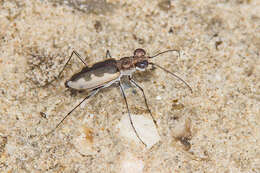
[172, 74]
[171, 50]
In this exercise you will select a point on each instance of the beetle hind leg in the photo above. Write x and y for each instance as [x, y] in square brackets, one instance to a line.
[77, 54]
[145, 100]
[93, 92]
[129, 115]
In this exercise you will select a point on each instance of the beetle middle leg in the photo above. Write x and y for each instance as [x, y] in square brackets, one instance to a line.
[129, 115]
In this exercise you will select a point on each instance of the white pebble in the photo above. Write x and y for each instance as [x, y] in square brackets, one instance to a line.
[144, 126]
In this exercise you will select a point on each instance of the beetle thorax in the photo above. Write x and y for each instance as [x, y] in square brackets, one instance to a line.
[125, 63]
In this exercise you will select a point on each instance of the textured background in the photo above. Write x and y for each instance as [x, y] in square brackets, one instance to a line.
[214, 129]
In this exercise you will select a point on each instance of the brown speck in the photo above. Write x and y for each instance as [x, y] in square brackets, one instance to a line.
[174, 118]
[3, 141]
[185, 142]
[176, 105]
[163, 86]
[186, 135]
[165, 5]
[249, 71]
[215, 35]
[217, 44]
[135, 37]
[98, 26]
[139, 40]
[43, 115]
[175, 101]
[170, 30]
[89, 134]
[243, 1]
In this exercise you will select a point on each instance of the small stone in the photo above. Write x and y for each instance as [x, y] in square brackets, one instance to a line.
[144, 126]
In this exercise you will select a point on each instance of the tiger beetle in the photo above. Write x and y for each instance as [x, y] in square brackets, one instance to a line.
[105, 73]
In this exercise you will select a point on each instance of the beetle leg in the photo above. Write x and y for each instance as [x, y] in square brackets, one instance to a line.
[76, 53]
[108, 54]
[145, 100]
[129, 115]
[93, 92]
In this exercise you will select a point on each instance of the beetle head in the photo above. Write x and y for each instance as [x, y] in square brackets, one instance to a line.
[141, 62]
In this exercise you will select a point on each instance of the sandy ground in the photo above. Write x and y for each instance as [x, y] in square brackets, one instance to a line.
[214, 129]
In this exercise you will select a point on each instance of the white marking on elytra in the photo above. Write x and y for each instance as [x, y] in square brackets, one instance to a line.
[95, 81]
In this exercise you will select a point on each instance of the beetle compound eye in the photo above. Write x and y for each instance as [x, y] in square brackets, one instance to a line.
[142, 65]
[139, 52]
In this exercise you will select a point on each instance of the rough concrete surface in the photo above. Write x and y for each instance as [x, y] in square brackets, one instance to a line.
[214, 129]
